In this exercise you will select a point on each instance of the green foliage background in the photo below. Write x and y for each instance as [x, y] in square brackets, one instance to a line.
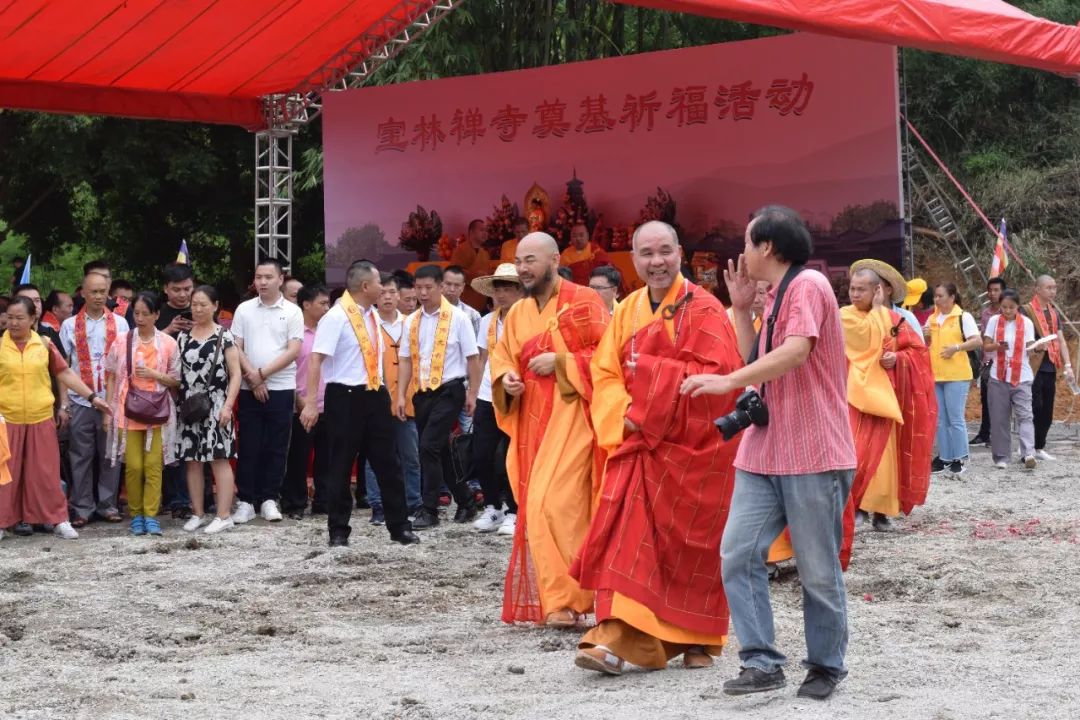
[72, 188]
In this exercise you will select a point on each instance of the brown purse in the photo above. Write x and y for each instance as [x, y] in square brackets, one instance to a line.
[149, 407]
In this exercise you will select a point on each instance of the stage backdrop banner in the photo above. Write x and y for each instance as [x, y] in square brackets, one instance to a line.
[801, 120]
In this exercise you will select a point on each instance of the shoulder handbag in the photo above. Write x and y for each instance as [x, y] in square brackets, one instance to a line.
[197, 406]
[150, 407]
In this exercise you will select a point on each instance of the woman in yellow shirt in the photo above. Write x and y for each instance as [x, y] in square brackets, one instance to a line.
[951, 333]
[31, 492]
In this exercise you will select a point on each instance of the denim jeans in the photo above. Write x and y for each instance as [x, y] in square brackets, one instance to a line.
[952, 439]
[812, 507]
[409, 451]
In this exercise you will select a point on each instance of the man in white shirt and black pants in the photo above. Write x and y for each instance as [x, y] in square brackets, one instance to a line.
[445, 358]
[356, 410]
[269, 331]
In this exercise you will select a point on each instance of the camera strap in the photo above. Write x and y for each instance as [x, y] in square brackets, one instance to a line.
[767, 328]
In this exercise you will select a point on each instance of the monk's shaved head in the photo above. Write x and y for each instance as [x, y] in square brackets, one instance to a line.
[539, 244]
[653, 227]
[867, 274]
[537, 261]
[1046, 289]
[1043, 281]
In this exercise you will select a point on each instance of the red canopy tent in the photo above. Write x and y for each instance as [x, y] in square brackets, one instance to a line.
[200, 60]
[984, 29]
[218, 60]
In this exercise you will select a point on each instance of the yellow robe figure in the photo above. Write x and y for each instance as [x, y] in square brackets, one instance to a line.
[649, 641]
[871, 392]
[552, 463]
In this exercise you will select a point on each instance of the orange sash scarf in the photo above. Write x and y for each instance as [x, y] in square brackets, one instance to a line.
[364, 335]
[82, 349]
[1046, 327]
[438, 350]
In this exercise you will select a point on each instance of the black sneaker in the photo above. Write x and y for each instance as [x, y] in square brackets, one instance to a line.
[339, 540]
[425, 519]
[377, 516]
[937, 466]
[24, 529]
[979, 440]
[752, 680]
[465, 513]
[957, 467]
[818, 685]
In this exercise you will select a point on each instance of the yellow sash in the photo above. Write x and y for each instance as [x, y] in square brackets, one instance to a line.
[438, 351]
[370, 353]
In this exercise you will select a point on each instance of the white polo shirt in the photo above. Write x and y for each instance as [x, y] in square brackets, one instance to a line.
[336, 339]
[266, 331]
[482, 341]
[460, 345]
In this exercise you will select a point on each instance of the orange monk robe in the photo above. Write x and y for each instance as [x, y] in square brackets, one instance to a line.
[653, 550]
[781, 549]
[476, 263]
[508, 251]
[553, 462]
[873, 407]
[390, 369]
[583, 262]
[5, 455]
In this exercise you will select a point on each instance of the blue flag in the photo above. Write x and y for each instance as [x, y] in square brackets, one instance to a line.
[25, 279]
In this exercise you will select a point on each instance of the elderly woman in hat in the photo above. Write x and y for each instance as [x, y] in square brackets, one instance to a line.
[489, 442]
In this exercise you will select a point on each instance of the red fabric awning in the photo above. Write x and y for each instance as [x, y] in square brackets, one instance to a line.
[213, 60]
[985, 29]
[200, 60]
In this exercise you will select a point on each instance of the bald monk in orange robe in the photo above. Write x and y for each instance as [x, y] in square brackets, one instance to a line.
[653, 550]
[541, 388]
[582, 256]
[475, 260]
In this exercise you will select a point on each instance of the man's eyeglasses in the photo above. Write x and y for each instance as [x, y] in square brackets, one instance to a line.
[602, 287]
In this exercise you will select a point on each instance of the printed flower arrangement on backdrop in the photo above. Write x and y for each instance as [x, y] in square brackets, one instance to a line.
[420, 232]
[447, 245]
[500, 224]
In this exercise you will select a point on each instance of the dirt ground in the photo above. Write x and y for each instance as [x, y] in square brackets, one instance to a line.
[969, 611]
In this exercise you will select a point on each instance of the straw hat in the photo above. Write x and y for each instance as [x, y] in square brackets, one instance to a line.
[485, 285]
[887, 273]
[916, 287]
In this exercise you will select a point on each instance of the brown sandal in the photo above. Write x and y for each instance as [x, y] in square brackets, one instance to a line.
[564, 618]
[696, 658]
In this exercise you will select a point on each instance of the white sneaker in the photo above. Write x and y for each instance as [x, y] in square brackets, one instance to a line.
[65, 531]
[217, 525]
[270, 512]
[489, 520]
[245, 512]
[508, 524]
[1043, 455]
[1001, 465]
[193, 523]
[1, 533]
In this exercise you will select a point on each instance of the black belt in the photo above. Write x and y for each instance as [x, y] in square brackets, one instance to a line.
[351, 388]
[445, 384]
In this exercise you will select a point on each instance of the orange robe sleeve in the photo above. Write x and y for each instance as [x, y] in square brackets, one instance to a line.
[610, 396]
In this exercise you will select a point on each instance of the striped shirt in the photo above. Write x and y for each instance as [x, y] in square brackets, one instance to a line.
[808, 430]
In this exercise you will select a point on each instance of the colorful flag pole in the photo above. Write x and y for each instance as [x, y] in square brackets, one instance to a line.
[1001, 253]
[182, 255]
[25, 279]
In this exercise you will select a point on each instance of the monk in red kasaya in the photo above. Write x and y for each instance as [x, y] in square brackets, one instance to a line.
[653, 549]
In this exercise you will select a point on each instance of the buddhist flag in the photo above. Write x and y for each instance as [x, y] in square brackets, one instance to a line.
[182, 255]
[25, 279]
[1001, 253]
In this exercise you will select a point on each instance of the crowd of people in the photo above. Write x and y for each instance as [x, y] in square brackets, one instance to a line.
[651, 457]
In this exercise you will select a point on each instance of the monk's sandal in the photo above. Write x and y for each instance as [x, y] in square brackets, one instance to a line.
[600, 659]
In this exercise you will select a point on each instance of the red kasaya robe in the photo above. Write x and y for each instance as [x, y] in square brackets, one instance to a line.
[655, 536]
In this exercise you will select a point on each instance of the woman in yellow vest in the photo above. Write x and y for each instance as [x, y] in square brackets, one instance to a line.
[951, 333]
[31, 492]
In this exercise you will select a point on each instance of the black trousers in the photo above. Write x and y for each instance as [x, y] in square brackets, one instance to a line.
[436, 412]
[1043, 390]
[358, 422]
[489, 446]
[321, 444]
[294, 490]
[984, 386]
[264, 445]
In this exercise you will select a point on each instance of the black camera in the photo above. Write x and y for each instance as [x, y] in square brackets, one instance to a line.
[749, 410]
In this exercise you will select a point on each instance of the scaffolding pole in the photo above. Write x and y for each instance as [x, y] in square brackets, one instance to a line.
[273, 197]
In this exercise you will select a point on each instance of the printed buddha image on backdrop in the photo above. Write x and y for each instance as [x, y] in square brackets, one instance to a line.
[699, 137]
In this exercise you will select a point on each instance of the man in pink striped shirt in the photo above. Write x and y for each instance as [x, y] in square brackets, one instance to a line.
[796, 470]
